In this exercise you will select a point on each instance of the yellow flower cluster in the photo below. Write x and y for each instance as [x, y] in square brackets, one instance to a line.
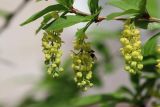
[158, 61]
[131, 50]
[51, 43]
[83, 60]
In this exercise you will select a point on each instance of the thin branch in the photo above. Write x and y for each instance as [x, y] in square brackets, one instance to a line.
[11, 15]
[101, 18]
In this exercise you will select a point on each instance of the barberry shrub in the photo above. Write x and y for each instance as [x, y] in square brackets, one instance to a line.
[142, 61]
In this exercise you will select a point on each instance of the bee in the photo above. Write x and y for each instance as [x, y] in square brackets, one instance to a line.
[91, 52]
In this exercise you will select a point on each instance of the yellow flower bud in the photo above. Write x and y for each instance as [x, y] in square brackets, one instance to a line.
[61, 69]
[85, 89]
[47, 56]
[57, 60]
[133, 64]
[131, 71]
[140, 66]
[55, 75]
[135, 54]
[124, 41]
[89, 76]
[91, 84]
[127, 33]
[128, 48]
[127, 57]
[54, 65]
[83, 82]
[76, 67]
[49, 70]
[79, 61]
[127, 68]
[79, 74]
[158, 49]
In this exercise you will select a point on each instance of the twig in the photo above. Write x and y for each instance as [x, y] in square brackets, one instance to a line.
[101, 18]
[11, 15]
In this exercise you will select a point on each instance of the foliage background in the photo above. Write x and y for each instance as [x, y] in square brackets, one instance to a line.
[21, 64]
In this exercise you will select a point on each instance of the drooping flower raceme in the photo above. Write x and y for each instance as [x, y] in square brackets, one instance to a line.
[51, 43]
[83, 61]
[131, 50]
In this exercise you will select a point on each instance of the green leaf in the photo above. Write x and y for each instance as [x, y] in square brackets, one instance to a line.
[149, 61]
[150, 46]
[125, 90]
[57, 7]
[94, 99]
[67, 21]
[153, 26]
[147, 25]
[46, 19]
[84, 101]
[127, 4]
[93, 6]
[108, 104]
[66, 3]
[153, 8]
[130, 13]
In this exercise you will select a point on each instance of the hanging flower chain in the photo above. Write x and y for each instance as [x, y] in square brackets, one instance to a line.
[51, 43]
[131, 50]
[83, 61]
